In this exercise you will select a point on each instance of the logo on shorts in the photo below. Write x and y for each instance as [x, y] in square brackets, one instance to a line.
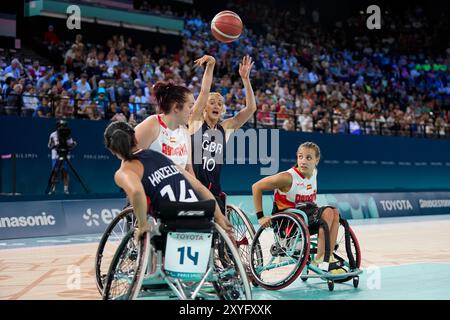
[191, 213]
[91, 218]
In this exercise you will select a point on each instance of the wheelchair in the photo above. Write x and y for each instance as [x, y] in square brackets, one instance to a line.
[285, 250]
[243, 230]
[185, 253]
[244, 234]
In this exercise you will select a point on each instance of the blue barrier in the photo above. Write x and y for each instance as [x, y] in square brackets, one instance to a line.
[91, 216]
[349, 163]
[32, 219]
[73, 217]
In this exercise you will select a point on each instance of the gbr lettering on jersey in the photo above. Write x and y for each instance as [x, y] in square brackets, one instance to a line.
[212, 152]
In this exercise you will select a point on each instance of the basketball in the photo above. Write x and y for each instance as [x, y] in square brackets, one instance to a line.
[226, 26]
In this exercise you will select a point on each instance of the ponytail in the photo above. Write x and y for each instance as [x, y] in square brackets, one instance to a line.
[122, 144]
[119, 138]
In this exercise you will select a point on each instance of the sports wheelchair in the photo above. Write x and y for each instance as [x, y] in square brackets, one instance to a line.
[285, 250]
[244, 234]
[185, 251]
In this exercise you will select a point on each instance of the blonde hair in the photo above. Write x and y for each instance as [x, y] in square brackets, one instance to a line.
[218, 95]
[215, 94]
[310, 145]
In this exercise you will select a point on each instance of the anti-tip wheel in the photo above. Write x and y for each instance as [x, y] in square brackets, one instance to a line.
[304, 279]
[330, 285]
[356, 281]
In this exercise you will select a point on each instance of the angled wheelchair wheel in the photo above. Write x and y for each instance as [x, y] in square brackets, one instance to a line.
[231, 281]
[341, 252]
[127, 268]
[109, 243]
[284, 251]
[244, 233]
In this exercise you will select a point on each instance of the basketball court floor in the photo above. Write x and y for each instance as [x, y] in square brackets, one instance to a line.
[402, 258]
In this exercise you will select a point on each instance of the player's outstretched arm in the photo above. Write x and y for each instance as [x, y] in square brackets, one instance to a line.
[245, 68]
[200, 103]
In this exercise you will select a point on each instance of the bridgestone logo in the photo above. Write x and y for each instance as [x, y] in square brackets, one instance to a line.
[434, 203]
[31, 221]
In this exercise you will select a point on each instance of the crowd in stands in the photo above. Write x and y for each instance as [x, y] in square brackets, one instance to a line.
[305, 77]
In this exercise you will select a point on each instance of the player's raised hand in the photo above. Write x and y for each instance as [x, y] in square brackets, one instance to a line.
[245, 67]
[209, 60]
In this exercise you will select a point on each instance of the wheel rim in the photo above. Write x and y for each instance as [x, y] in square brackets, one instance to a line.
[110, 242]
[122, 270]
[243, 233]
[231, 282]
[284, 251]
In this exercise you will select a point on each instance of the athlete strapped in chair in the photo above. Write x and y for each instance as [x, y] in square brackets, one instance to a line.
[297, 188]
[149, 178]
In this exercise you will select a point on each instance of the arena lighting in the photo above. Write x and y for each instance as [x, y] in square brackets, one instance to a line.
[108, 23]
[85, 19]
[53, 15]
[139, 27]
[167, 31]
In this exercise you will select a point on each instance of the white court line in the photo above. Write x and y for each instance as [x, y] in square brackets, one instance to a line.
[406, 264]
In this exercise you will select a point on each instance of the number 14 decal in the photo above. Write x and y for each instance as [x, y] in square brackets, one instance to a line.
[194, 257]
[167, 190]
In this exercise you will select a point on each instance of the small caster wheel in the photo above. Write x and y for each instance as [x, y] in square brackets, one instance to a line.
[330, 285]
[304, 278]
[356, 281]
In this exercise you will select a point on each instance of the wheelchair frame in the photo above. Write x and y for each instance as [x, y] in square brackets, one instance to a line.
[354, 270]
[144, 276]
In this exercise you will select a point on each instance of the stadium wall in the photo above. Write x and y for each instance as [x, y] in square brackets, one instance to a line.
[349, 163]
[29, 219]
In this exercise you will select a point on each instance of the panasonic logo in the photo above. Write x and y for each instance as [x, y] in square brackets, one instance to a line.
[390, 205]
[30, 221]
[191, 213]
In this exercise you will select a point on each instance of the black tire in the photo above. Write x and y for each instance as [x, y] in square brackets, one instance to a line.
[128, 265]
[278, 221]
[102, 265]
[330, 285]
[304, 279]
[226, 257]
[356, 281]
[341, 253]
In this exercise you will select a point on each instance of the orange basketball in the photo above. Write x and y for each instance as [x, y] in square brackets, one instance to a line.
[226, 26]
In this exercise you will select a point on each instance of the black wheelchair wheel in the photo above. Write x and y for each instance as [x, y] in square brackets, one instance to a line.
[232, 281]
[109, 242]
[341, 253]
[126, 272]
[284, 248]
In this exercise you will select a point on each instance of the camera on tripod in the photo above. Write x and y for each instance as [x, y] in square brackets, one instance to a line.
[61, 143]
[64, 134]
